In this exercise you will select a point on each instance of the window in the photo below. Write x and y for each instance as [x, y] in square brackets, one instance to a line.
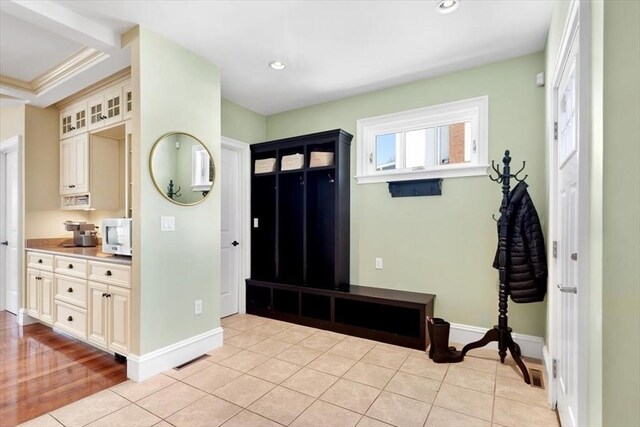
[440, 141]
[202, 170]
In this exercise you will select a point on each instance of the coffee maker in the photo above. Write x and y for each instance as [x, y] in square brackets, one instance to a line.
[84, 235]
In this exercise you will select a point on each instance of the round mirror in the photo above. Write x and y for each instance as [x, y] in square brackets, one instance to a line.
[182, 168]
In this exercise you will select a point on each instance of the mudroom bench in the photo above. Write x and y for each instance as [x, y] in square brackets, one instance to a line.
[391, 316]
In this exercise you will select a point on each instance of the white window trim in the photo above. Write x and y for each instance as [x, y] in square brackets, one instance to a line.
[421, 118]
[196, 169]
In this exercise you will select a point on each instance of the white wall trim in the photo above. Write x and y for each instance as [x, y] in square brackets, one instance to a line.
[24, 319]
[547, 363]
[530, 345]
[10, 144]
[139, 368]
[576, 28]
[245, 215]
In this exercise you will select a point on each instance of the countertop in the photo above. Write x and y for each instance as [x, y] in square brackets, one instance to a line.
[54, 246]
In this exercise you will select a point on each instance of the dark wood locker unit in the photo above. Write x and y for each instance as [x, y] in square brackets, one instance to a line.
[300, 217]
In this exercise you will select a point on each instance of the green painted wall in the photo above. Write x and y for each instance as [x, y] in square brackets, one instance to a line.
[173, 269]
[442, 245]
[242, 124]
[621, 226]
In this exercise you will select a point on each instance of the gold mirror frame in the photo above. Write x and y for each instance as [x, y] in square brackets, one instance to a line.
[153, 175]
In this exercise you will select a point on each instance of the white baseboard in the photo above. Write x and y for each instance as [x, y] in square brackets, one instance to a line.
[549, 381]
[139, 368]
[531, 346]
[24, 319]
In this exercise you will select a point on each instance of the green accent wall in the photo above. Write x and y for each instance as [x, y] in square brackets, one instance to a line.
[242, 124]
[175, 90]
[621, 215]
[443, 245]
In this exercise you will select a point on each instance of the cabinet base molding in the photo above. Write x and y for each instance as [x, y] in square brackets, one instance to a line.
[141, 367]
[24, 319]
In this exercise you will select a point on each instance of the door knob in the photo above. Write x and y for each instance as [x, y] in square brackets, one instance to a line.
[235, 243]
[5, 243]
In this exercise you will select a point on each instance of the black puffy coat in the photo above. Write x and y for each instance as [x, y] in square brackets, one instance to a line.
[526, 260]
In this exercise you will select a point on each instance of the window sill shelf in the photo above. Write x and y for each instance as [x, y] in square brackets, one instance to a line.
[442, 172]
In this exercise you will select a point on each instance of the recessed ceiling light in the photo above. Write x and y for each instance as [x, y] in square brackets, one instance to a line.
[447, 6]
[277, 65]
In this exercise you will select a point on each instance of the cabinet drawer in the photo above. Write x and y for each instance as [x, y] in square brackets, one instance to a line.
[71, 266]
[72, 291]
[110, 273]
[40, 261]
[71, 320]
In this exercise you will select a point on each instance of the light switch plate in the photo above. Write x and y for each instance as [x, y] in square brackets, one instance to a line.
[378, 263]
[167, 223]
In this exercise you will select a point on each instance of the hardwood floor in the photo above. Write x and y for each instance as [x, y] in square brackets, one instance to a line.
[41, 370]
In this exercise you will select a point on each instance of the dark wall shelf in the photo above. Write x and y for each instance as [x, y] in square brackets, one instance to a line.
[300, 218]
[394, 317]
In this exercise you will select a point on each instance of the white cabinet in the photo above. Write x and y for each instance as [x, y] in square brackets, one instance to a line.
[40, 288]
[90, 172]
[109, 307]
[90, 300]
[105, 109]
[70, 284]
[127, 94]
[73, 120]
[74, 165]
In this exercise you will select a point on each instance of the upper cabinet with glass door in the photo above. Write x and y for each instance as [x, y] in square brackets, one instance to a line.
[73, 120]
[105, 108]
[102, 109]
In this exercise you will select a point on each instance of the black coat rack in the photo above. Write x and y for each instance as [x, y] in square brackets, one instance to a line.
[502, 332]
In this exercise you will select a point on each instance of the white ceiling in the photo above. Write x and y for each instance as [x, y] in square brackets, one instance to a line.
[332, 49]
[27, 51]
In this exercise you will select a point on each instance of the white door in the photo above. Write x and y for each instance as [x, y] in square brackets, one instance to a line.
[230, 227]
[567, 351]
[9, 229]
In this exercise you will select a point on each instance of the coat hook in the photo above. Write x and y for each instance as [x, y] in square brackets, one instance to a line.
[301, 180]
[331, 180]
[494, 217]
[515, 176]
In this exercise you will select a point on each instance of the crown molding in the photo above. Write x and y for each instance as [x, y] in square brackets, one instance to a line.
[118, 77]
[73, 65]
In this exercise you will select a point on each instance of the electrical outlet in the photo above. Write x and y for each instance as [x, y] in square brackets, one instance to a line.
[198, 307]
[378, 263]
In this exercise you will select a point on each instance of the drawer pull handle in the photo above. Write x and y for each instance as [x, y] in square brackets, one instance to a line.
[70, 266]
[70, 319]
[39, 261]
[108, 273]
[70, 290]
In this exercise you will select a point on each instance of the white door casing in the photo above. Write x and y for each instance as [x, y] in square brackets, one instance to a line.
[569, 300]
[234, 226]
[10, 225]
[567, 243]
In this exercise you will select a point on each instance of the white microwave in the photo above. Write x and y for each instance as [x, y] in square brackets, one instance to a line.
[116, 236]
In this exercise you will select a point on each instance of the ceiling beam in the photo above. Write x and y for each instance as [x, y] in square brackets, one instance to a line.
[67, 23]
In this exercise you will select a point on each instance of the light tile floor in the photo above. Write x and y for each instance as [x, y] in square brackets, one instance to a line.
[271, 373]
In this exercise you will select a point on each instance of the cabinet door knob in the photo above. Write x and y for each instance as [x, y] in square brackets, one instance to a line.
[72, 128]
[70, 319]
[39, 261]
[107, 273]
[70, 290]
[108, 295]
[103, 117]
[104, 294]
[70, 266]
